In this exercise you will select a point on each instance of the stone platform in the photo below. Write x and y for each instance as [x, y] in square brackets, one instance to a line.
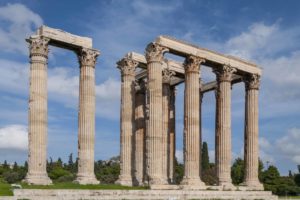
[39, 194]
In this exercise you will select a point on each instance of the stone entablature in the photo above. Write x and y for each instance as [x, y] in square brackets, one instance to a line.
[64, 39]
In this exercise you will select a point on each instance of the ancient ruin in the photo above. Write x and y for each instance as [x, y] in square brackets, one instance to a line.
[148, 138]
[148, 115]
[37, 125]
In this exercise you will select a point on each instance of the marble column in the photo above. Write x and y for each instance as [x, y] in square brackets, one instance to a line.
[127, 67]
[223, 126]
[140, 131]
[154, 137]
[166, 78]
[86, 117]
[37, 124]
[191, 178]
[172, 135]
[251, 150]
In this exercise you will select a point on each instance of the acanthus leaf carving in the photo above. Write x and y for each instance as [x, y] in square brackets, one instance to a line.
[167, 75]
[252, 81]
[192, 63]
[38, 46]
[155, 52]
[88, 57]
[127, 66]
[224, 73]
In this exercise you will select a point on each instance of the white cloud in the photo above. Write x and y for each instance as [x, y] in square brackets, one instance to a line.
[63, 87]
[179, 155]
[264, 143]
[14, 137]
[247, 43]
[288, 145]
[21, 23]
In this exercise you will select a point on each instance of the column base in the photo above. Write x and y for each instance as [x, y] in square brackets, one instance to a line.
[125, 181]
[225, 186]
[158, 181]
[86, 180]
[192, 184]
[37, 179]
[251, 185]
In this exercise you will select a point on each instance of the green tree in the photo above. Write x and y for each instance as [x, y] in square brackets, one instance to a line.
[59, 163]
[237, 171]
[271, 174]
[5, 165]
[209, 176]
[179, 170]
[297, 179]
[15, 167]
[204, 157]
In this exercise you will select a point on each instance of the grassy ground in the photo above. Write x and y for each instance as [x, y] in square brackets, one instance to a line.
[6, 190]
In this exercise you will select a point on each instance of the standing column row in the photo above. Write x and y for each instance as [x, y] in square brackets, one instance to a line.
[37, 124]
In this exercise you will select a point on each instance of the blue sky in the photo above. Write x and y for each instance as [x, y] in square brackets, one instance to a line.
[265, 32]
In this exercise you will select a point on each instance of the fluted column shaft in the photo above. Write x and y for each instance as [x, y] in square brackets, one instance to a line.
[191, 123]
[251, 133]
[172, 136]
[127, 67]
[223, 126]
[86, 117]
[154, 151]
[37, 124]
[167, 75]
[140, 131]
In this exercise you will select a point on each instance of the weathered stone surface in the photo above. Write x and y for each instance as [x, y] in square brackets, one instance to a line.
[154, 56]
[37, 154]
[140, 194]
[251, 133]
[63, 38]
[127, 67]
[223, 126]
[191, 178]
[140, 134]
[86, 117]
[184, 49]
[38, 119]
[172, 135]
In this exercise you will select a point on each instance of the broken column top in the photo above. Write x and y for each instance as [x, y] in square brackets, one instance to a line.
[64, 39]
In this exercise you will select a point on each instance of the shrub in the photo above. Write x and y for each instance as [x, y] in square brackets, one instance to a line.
[58, 172]
[11, 177]
[66, 178]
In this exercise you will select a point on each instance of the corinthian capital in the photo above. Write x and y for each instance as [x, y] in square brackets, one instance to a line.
[155, 52]
[88, 57]
[224, 73]
[38, 46]
[192, 64]
[167, 76]
[127, 66]
[252, 81]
